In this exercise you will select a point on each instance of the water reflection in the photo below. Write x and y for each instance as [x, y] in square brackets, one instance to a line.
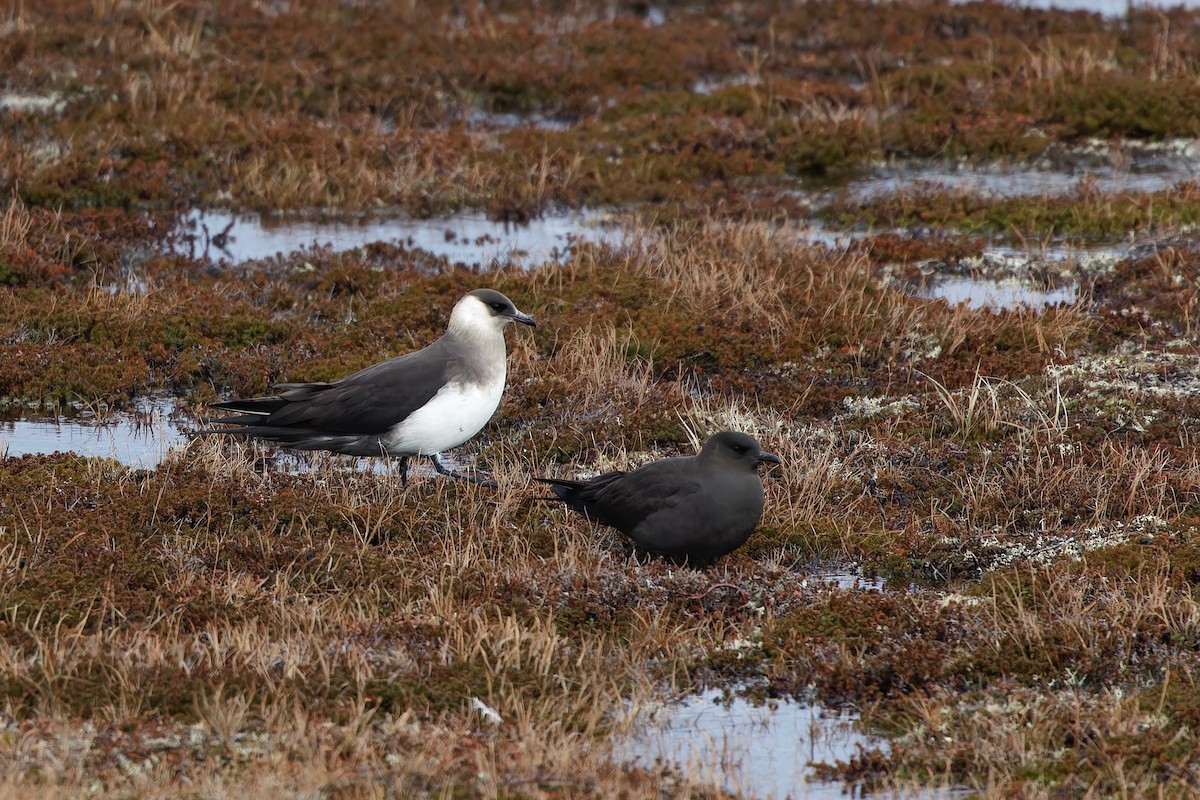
[997, 295]
[847, 578]
[140, 439]
[1108, 8]
[468, 238]
[754, 751]
[998, 181]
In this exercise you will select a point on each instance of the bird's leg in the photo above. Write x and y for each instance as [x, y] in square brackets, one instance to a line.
[404, 472]
[436, 458]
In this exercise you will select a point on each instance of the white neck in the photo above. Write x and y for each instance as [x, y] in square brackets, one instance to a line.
[478, 335]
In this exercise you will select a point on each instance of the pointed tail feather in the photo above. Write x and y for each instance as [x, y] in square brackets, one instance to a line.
[300, 438]
[562, 487]
[249, 420]
[251, 405]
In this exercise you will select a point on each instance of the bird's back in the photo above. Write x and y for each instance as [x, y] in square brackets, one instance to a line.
[347, 416]
[666, 507]
[625, 500]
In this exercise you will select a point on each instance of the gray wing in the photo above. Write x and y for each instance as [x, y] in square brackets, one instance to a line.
[648, 496]
[367, 402]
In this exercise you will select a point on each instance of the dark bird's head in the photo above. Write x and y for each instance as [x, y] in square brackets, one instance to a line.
[736, 450]
[486, 309]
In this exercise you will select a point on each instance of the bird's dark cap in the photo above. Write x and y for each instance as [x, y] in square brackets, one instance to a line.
[501, 306]
[741, 447]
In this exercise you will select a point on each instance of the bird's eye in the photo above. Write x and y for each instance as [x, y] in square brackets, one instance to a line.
[739, 448]
[497, 306]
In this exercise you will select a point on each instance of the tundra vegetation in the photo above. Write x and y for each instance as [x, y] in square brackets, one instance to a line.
[1023, 479]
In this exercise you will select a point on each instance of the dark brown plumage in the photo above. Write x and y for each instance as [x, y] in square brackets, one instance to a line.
[696, 507]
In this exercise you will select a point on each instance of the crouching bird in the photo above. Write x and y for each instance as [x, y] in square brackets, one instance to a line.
[696, 508]
[417, 404]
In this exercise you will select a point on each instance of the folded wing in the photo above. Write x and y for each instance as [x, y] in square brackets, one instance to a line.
[627, 500]
[367, 402]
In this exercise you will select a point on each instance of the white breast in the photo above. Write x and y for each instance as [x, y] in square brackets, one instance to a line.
[453, 415]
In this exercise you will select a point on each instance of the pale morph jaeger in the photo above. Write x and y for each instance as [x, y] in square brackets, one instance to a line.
[417, 404]
[695, 507]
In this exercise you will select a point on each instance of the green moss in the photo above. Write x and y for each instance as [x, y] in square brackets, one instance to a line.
[1124, 105]
[9, 276]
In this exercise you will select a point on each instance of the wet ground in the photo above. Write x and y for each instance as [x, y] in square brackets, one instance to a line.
[760, 750]
[470, 239]
[1098, 167]
[1110, 8]
[138, 439]
[750, 750]
[997, 295]
[741, 230]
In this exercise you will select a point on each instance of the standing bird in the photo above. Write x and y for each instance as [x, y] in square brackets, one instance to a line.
[417, 404]
[696, 507]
